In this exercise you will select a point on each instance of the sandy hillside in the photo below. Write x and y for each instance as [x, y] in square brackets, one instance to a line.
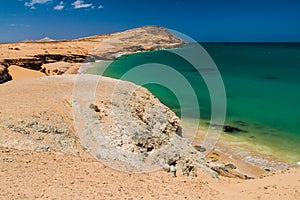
[43, 157]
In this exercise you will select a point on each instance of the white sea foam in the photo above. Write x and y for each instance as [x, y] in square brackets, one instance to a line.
[265, 163]
[84, 68]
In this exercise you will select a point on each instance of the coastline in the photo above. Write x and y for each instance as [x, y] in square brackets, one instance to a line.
[253, 155]
[224, 155]
[254, 144]
[62, 174]
[227, 147]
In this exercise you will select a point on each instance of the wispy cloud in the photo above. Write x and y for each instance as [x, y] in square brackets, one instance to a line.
[60, 6]
[77, 4]
[33, 2]
[19, 25]
[80, 4]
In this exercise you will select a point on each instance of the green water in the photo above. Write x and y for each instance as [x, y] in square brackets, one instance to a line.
[262, 87]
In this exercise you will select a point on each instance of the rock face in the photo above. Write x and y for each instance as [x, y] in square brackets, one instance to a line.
[4, 75]
[121, 124]
[36, 62]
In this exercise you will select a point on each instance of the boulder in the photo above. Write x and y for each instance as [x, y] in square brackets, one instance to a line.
[231, 129]
[227, 171]
[200, 148]
[4, 75]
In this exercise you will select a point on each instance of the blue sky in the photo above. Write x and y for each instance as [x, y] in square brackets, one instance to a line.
[206, 21]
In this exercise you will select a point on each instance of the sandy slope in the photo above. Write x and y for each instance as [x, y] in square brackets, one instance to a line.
[48, 175]
[21, 73]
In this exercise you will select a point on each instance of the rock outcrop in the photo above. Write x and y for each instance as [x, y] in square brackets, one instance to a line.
[36, 62]
[227, 171]
[59, 68]
[4, 75]
[121, 124]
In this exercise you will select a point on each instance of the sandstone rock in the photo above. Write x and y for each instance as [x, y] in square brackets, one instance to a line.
[4, 75]
[59, 68]
[228, 171]
[26, 62]
[192, 160]
[231, 166]
[200, 148]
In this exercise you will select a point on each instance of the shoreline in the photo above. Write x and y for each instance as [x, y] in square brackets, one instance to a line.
[224, 147]
[250, 153]
[243, 167]
[255, 159]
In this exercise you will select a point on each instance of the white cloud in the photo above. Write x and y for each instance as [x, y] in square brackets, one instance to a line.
[19, 25]
[33, 2]
[80, 4]
[100, 7]
[60, 6]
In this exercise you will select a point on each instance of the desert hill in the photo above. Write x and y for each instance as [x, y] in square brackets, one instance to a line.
[36, 55]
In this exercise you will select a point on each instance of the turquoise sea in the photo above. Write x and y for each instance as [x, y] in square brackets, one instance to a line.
[262, 83]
